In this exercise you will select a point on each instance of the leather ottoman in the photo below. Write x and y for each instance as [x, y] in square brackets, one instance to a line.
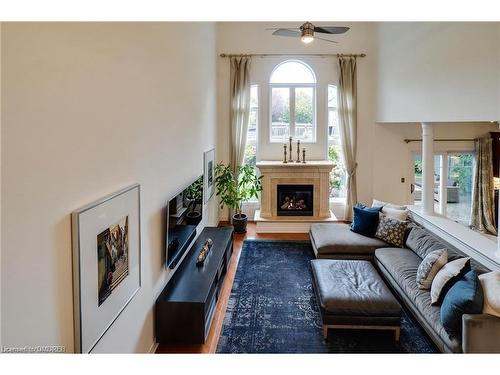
[351, 294]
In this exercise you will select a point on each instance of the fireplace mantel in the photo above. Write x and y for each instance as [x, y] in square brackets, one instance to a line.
[314, 172]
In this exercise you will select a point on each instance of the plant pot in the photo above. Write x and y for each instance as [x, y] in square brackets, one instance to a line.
[240, 223]
[193, 217]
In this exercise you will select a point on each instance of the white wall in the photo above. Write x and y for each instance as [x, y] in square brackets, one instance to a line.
[89, 109]
[435, 72]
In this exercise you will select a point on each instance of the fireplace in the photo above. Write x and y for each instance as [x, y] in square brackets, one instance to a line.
[295, 200]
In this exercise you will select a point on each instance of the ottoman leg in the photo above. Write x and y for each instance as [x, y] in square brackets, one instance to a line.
[325, 332]
[397, 332]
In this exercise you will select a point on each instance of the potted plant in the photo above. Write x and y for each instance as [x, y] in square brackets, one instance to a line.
[194, 197]
[234, 189]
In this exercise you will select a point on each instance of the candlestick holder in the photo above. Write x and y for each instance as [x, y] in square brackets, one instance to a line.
[284, 154]
[304, 155]
[290, 151]
[298, 151]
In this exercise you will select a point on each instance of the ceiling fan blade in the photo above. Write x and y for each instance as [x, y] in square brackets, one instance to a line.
[326, 40]
[278, 28]
[287, 32]
[331, 29]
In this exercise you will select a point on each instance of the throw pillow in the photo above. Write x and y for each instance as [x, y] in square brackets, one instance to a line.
[446, 277]
[464, 297]
[377, 203]
[395, 213]
[491, 289]
[365, 220]
[391, 230]
[430, 266]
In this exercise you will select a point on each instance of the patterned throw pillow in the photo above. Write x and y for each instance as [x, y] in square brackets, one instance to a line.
[430, 266]
[391, 230]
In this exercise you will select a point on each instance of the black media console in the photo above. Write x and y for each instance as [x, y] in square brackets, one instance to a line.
[185, 308]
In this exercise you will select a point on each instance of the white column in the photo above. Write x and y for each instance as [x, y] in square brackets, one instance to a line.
[443, 184]
[427, 168]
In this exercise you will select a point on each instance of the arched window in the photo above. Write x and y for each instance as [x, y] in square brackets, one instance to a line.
[293, 102]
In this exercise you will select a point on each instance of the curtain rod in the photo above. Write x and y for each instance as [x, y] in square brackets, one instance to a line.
[442, 140]
[293, 54]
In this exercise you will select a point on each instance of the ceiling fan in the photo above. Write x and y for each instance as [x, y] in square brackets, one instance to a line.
[306, 32]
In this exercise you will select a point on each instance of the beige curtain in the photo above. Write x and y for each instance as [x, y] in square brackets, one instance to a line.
[240, 108]
[347, 110]
[483, 198]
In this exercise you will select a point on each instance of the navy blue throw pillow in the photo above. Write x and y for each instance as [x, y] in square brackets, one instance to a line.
[464, 297]
[365, 220]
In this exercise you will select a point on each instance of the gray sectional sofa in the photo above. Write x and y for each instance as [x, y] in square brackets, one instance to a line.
[398, 266]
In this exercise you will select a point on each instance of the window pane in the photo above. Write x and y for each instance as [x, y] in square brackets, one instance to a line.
[254, 97]
[304, 113]
[280, 114]
[292, 72]
[337, 175]
[459, 188]
[333, 126]
[332, 96]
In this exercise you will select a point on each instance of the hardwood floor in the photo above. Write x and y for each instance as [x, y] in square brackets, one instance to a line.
[213, 337]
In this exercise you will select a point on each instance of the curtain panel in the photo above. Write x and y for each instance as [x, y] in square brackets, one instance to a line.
[347, 112]
[240, 108]
[483, 198]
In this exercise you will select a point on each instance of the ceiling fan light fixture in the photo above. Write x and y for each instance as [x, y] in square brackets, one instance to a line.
[307, 33]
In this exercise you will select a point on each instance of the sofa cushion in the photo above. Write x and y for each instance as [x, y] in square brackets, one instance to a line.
[446, 277]
[353, 288]
[337, 238]
[465, 297]
[391, 230]
[365, 220]
[430, 266]
[400, 268]
[491, 288]
[422, 242]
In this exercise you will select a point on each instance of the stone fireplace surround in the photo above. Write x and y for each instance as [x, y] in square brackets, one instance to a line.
[315, 172]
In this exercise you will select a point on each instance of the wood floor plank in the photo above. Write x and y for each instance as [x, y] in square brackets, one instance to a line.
[213, 337]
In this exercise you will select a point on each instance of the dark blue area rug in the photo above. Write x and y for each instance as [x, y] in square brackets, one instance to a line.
[273, 309]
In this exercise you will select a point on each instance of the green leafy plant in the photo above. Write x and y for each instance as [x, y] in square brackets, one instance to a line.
[195, 190]
[233, 189]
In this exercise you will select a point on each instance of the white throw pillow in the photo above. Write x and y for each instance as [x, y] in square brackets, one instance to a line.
[377, 203]
[394, 213]
[491, 290]
[446, 277]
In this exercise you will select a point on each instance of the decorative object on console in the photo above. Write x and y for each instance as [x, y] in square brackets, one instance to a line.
[446, 277]
[106, 263]
[391, 230]
[365, 220]
[491, 290]
[234, 189]
[290, 151]
[430, 266]
[464, 297]
[202, 255]
[304, 155]
[298, 151]
[209, 172]
[284, 154]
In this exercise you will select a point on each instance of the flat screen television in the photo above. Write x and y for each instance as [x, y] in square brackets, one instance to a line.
[184, 213]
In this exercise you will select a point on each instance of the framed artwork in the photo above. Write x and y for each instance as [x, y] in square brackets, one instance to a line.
[106, 263]
[209, 173]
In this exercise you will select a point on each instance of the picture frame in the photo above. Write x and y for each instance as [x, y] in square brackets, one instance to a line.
[106, 236]
[209, 174]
